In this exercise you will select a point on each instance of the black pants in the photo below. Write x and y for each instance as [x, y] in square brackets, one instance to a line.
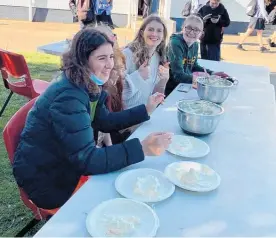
[210, 51]
[104, 18]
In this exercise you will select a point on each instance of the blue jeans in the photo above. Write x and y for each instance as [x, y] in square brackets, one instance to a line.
[210, 51]
[154, 6]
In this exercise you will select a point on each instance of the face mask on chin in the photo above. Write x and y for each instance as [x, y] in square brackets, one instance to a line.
[96, 80]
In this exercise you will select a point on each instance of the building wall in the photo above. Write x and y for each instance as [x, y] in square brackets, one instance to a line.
[235, 8]
[55, 10]
[58, 11]
[119, 5]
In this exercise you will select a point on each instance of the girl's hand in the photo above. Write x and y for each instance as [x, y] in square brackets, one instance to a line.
[221, 74]
[194, 83]
[156, 144]
[144, 70]
[154, 101]
[164, 72]
[114, 76]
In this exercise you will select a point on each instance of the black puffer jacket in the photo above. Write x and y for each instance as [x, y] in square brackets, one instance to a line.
[57, 145]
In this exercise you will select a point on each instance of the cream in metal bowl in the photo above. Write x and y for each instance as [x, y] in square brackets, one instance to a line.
[198, 117]
[214, 88]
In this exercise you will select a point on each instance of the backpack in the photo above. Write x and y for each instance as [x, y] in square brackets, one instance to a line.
[187, 8]
[251, 8]
[86, 11]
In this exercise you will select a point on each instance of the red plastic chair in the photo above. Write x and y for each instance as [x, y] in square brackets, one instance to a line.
[11, 135]
[17, 78]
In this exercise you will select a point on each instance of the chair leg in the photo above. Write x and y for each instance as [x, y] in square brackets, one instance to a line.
[29, 226]
[6, 103]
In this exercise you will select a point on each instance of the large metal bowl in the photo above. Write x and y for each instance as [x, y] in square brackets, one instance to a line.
[213, 93]
[195, 123]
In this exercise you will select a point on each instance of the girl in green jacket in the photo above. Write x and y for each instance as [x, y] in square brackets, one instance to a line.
[182, 52]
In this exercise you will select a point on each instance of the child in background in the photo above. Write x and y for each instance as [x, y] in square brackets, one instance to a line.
[257, 22]
[216, 18]
[103, 12]
[271, 9]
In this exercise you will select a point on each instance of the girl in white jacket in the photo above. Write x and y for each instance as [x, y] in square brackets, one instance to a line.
[146, 69]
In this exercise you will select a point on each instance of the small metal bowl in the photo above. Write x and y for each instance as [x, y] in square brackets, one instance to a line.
[213, 89]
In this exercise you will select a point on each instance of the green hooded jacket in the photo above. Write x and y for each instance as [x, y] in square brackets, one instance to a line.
[183, 62]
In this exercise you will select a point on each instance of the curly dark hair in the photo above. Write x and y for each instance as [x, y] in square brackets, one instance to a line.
[75, 61]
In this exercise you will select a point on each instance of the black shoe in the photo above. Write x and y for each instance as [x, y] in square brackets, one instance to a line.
[240, 47]
[263, 49]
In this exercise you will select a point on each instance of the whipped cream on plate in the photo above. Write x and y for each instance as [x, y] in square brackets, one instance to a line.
[147, 186]
[120, 226]
[192, 177]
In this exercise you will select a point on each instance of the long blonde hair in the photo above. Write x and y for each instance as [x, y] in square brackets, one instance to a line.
[138, 45]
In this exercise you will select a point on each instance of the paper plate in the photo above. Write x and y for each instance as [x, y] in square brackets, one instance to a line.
[193, 176]
[144, 185]
[188, 146]
[122, 217]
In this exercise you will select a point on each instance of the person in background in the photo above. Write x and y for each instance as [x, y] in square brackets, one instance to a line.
[103, 12]
[154, 7]
[84, 12]
[271, 9]
[146, 8]
[73, 8]
[197, 5]
[191, 7]
[257, 22]
[215, 18]
[147, 70]
[57, 145]
[182, 53]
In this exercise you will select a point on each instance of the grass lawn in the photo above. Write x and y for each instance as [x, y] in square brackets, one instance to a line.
[13, 214]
